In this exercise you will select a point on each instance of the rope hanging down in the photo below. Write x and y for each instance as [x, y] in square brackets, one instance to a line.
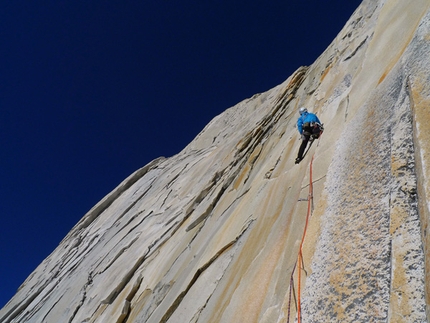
[300, 262]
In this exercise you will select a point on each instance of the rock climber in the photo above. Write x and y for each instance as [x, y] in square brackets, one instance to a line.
[309, 127]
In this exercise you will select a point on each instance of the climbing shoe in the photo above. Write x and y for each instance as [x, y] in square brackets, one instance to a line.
[298, 160]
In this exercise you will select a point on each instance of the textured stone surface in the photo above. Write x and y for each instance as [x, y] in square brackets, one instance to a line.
[212, 234]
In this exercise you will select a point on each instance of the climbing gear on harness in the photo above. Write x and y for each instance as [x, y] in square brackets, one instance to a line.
[317, 130]
[313, 129]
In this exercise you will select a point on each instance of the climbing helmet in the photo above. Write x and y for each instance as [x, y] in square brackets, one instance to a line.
[302, 110]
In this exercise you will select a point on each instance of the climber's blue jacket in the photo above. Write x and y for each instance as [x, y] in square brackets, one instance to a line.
[306, 117]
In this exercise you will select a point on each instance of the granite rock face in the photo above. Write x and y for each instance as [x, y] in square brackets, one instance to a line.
[213, 233]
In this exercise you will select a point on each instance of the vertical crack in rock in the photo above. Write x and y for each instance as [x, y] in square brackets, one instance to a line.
[179, 257]
[165, 199]
[208, 210]
[84, 296]
[244, 150]
[199, 271]
[199, 311]
[221, 215]
[125, 238]
[288, 94]
[173, 180]
[73, 262]
[281, 104]
[128, 300]
[119, 252]
[133, 204]
[132, 218]
[196, 316]
[407, 273]
[351, 261]
[202, 195]
[52, 307]
[419, 75]
[150, 250]
[346, 108]
[356, 49]
[126, 279]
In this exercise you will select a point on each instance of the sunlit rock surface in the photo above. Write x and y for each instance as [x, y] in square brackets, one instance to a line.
[213, 233]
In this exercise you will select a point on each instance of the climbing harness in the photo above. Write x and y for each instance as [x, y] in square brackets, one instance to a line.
[316, 135]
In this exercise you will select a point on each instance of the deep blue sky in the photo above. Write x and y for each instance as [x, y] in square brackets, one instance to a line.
[90, 91]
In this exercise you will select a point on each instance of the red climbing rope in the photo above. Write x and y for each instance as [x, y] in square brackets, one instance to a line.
[300, 255]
